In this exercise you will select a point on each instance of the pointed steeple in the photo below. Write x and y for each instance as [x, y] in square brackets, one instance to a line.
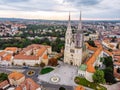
[80, 23]
[69, 23]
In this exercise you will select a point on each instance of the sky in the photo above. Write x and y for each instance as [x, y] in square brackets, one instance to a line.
[59, 9]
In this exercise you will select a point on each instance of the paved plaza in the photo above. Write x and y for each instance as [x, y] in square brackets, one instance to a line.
[113, 87]
[65, 73]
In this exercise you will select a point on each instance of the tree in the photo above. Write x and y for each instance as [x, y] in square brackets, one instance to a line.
[42, 64]
[108, 62]
[118, 70]
[91, 43]
[62, 88]
[98, 77]
[3, 77]
[118, 46]
[108, 75]
[53, 62]
[24, 64]
[108, 71]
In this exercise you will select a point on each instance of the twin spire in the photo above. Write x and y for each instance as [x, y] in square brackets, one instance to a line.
[80, 22]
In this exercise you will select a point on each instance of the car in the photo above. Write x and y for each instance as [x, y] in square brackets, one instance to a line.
[36, 75]
[25, 67]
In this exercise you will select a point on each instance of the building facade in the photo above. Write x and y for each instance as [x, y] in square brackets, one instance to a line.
[73, 45]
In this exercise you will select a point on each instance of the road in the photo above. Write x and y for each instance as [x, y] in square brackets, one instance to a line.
[45, 85]
[49, 86]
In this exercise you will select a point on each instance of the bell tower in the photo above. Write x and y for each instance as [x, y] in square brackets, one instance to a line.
[68, 36]
[79, 35]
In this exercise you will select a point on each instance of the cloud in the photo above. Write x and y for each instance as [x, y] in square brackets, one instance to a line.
[14, 1]
[83, 2]
[90, 8]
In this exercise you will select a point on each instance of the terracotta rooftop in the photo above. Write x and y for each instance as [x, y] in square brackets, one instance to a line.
[45, 56]
[14, 49]
[25, 57]
[4, 83]
[29, 84]
[116, 74]
[18, 88]
[117, 63]
[2, 53]
[116, 52]
[40, 49]
[7, 57]
[79, 88]
[92, 59]
[117, 58]
[15, 75]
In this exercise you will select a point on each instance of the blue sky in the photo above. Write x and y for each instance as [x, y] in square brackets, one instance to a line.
[58, 9]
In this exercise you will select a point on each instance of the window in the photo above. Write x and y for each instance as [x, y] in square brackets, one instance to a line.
[67, 41]
[72, 51]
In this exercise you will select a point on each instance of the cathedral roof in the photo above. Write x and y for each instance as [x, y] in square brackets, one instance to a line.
[83, 67]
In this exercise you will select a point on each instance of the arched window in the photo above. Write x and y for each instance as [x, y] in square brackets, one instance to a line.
[67, 41]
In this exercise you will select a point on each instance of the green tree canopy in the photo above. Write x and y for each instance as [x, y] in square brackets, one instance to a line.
[91, 43]
[108, 62]
[62, 88]
[98, 77]
[3, 77]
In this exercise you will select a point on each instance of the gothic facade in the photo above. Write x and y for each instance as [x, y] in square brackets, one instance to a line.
[74, 44]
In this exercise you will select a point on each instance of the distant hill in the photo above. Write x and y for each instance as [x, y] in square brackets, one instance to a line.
[40, 20]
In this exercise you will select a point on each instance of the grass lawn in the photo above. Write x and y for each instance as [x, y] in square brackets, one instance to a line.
[46, 70]
[86, 83]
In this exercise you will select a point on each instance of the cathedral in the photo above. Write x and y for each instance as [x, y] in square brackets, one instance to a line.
[74, 43]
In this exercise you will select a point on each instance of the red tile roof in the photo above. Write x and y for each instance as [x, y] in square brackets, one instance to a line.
[14, 49]
[7, 57]
[116, 74]
[40, 49]
[3, 84]
[25, 57]
[29, 84]
[45, 56]
[2, 53]
[15, 75]
[79, 88]
[92, 59]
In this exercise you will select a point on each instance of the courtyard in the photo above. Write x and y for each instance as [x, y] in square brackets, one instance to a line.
[63, 75]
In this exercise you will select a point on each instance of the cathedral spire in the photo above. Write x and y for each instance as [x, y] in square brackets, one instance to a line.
[69, 23]
[69, 16]
[80, 23]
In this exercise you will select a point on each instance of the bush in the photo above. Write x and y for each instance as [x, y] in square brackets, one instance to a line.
[3, 77]
[46, 70]
[42, 64]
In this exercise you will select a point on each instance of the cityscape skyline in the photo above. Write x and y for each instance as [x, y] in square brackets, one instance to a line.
[58, 9]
